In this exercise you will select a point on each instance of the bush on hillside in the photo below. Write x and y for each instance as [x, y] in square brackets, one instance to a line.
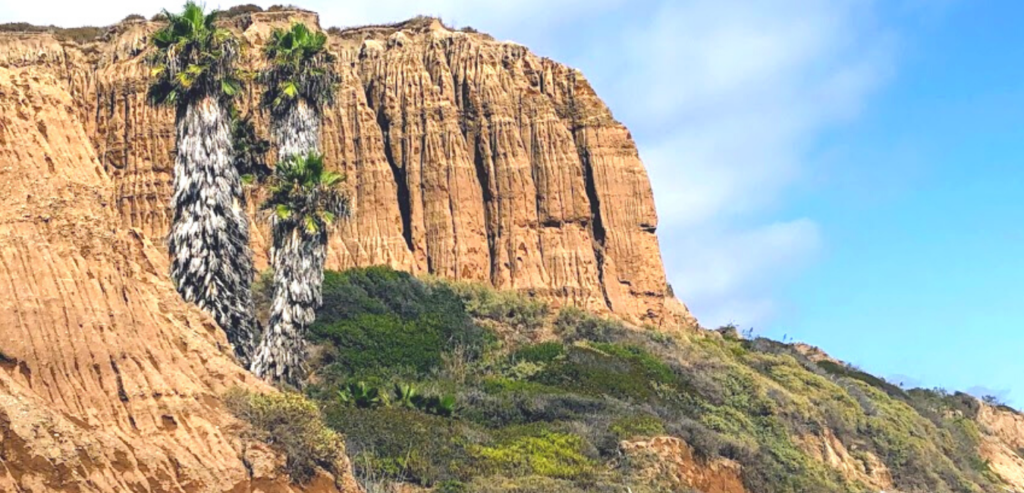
[238, 10]
[292, 424]
[573, 324]
[530, 415]
[510, 309]
[406, 444]
[378, 322]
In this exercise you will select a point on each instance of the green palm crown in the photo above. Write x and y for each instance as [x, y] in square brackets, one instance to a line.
[304, 196]
[299, 67]
[194, 59]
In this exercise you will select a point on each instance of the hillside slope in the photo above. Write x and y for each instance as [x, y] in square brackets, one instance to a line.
[549, 400]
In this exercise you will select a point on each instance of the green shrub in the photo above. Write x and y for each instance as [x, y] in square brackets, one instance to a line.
[405, 444]
[240, 10]
[363, 395]
[542, 453]
[619, 371]
[573, 324]
[510, 309]
[380, 322]
[849, 372]
[637, 426]
[534, 405]
[549, 416]
[544, 352]
[292, 424]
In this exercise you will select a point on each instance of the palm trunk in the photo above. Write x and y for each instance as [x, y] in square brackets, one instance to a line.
[298, 261]
[297, 131]
[211, 263]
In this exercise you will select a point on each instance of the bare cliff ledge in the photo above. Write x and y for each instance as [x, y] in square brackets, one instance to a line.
[467, 158]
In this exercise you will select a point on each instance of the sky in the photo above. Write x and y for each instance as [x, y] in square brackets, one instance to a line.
[847, 173]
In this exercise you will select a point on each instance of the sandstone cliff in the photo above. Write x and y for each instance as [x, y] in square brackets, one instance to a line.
[108, 381]
[467, 158]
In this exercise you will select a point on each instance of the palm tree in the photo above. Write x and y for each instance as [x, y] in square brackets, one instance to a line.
[303, 205]
[193, 70]
[299, 81]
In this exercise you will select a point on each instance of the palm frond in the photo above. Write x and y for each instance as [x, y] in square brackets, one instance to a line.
[193, 59]
[300, 67]
[305, 197]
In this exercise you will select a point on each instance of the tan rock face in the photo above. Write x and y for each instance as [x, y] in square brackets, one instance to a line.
[672, 461]
[864, 467]
[466, 158]
[108, 381]
[1002, 443]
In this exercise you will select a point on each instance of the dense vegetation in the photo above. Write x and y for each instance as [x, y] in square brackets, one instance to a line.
[546, 412]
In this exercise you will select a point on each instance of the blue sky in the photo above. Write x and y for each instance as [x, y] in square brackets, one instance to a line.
[849, 173]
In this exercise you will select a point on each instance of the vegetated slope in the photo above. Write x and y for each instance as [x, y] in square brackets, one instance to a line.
[462, 388]
[467, 158]
[108, 381]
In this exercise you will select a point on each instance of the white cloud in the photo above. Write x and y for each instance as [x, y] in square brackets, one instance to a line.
[726, 100]
[731, 273]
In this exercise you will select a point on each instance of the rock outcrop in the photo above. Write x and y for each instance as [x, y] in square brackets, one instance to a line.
[671, 462]
[1002, 443]
[466, 158]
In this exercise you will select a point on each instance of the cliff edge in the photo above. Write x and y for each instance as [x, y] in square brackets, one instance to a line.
[466, 158]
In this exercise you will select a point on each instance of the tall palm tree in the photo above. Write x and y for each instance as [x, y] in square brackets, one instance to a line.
[193, 70]
[299, 81]
[304, 202]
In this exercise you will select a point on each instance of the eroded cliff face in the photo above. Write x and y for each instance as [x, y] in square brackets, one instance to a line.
[108, 381]
[1002, 432]
[466, 158]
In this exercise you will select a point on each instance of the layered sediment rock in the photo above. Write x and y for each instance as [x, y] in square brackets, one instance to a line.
[466, 158]
[108, 381]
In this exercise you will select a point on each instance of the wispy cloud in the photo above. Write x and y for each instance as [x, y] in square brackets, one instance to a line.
[726, 103]
[982, 392]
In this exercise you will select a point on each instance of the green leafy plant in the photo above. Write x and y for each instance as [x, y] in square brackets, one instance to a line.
[362, 395]
[193, 58]
[300, 67]
[405, 395]
[546, 453]
[378, 322]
